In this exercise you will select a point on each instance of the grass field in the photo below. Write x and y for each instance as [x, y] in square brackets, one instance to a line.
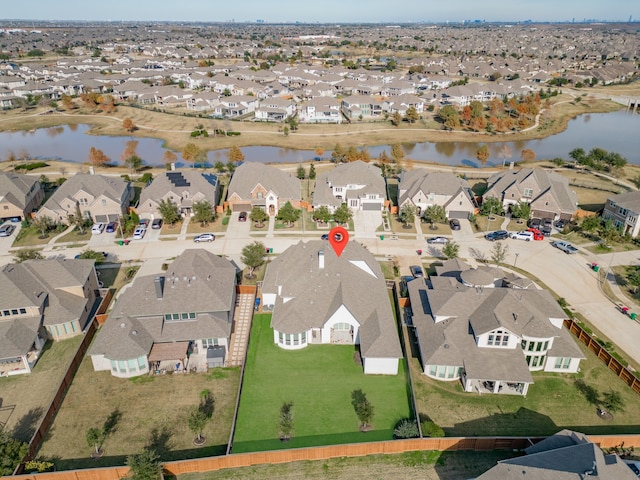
[318, 380]
[426, 465]
[149, 412]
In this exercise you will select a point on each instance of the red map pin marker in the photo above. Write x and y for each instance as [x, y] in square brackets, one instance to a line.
[338, 238]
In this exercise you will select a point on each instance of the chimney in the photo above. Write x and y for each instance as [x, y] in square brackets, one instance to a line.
[173, 166]
[158, 282]
[92, 170]
[321, 259]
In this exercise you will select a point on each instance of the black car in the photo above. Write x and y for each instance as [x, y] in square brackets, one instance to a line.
[404, 290]
[535, 223]
[497, 235]
[156, 224]
[416, 271]
[454, 223]
[560, 224]
[546, 230]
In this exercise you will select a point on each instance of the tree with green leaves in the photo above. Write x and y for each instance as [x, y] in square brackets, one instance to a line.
[169, 211]
[483, 153]
[451, 250]
[288, 214]
[312, 172]
[449, 116]
[633, 278]
[491, 206]
[43, 224]
[407, 213]
[435, 214]
[258, 215]
[220, 167]
[407, 428]
[608, 232]
[12, 451]
[27, 254]
[411, 115]
[134, 163]
[197, 421]
[499, 253]
[286, 421]
[342, 214]
[300, 172]
[80, 221]
[253, 256]
[521, 210]
[396, 119]
[612, 401]
[338, 154]
[322, 214]
[90, 254]
[203, 212]
[231, 167]
[590, 224]
[145, 465]
[95, 438]
[364, 410]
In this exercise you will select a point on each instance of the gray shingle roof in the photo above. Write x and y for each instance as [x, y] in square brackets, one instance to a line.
[15, 187]
[249, 174]
[113, 188]
[196, 282]
[353, 280]
[628, 200]
[438, 183]
[191, 182]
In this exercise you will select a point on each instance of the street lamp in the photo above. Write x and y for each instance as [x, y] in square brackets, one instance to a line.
[516, 260]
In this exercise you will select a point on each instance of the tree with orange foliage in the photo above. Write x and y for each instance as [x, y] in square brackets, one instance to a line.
[108, 104]
[527, 155]
[97, 157]
[128, 125]
[130, 150]
[169, 157]
[67, 103]
[319, 152]
[235, 154]
[466, 114]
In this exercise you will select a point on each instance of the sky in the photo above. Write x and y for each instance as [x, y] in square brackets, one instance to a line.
[322, 11]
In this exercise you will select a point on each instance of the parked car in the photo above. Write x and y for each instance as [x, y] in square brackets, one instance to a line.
[324, 236]
[156, 224]
[537, 234]
[97, 228]
[535, 223]
[566, 247]
[242, 217]
[416, 271]
[438, 240]
[634, 466]
[454, 223]
[204, 237]
[546, 230]
[497, 235]
[6, 230]
[523, 235]
[144, 222]
[547, 222]
[111, 227]
[560, 224]
[139, 232]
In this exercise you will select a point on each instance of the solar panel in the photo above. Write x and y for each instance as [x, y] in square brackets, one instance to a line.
[178, 179]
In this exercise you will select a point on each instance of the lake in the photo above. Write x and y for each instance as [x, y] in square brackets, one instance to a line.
[617, 131]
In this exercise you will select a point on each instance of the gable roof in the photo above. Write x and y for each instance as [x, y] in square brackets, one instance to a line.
[14, 187]
[313, 294]
[178, 182]
[438, 183]
[113, 188]
[628, 200]
[249, 174]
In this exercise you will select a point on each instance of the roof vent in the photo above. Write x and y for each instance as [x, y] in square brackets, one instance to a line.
[122, 325]
[134, 332]
[446, 345]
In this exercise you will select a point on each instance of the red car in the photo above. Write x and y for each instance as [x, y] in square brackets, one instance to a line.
[537, 234]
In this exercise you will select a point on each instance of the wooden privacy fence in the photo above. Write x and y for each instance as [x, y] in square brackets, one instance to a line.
[612, 363]
[210, 464]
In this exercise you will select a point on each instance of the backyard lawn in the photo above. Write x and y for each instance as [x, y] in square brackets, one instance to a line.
[554, 401]
[146, 411]
[318, 380]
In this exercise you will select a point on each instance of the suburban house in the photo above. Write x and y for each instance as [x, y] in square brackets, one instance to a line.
[623, 210]
[100, 198]
[547, 192]
[42, 300]
[184, 188]
[177, 320]
[566, 455]
[254, 184]
[423, 189]
[320, 110]
[358, 184]
[488, 330]
[275, 110]
[363, 107]
[19, 195]
[318, 297]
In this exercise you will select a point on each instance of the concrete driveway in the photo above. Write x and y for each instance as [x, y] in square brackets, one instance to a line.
[365, 223]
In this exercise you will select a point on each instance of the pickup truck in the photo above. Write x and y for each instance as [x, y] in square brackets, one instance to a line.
[566, 247]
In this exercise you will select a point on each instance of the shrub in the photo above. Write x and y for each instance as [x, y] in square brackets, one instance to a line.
[430, 429]
[225, 221]
[407, 428]
[32, 166]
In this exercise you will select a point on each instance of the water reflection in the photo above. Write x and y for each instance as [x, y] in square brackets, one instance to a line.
[615, 131]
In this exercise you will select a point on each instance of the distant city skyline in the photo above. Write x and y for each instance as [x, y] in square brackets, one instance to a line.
[325, 11]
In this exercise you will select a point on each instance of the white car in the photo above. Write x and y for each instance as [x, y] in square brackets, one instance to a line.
[139, 233]
[523, 235]
[97, 228]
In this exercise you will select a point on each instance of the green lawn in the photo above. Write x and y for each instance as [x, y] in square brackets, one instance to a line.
[318, 380]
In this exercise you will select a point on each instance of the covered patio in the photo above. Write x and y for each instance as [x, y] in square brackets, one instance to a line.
[169, 358]
[501, 372]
